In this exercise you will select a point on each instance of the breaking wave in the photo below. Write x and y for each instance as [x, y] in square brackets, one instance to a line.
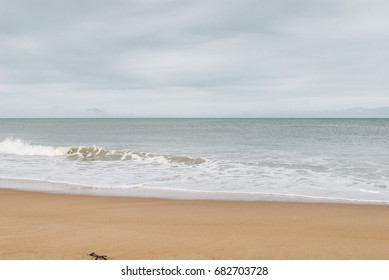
[99, 153]
[89, 153]
[19, 147]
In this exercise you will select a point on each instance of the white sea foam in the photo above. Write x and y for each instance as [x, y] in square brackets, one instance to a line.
[99, 153]
[19, 147]
[143, 190]
[90, 153]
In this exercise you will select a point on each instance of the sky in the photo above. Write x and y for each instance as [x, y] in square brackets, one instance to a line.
[193, 58]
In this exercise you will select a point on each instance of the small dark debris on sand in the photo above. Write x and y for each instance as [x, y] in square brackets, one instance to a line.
[97, 257]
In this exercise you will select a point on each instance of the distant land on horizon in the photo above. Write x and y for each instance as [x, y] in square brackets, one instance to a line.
[357, 112]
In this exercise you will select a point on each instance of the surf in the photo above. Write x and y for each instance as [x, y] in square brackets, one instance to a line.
[91, 153]
[19, 147]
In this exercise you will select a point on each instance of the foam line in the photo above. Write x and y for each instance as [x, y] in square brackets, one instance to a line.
[19, 147]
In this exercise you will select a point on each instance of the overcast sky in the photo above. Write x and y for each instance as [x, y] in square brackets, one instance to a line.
[192, 58]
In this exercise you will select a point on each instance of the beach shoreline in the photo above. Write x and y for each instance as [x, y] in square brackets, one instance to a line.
[49, 226]
[45, 186]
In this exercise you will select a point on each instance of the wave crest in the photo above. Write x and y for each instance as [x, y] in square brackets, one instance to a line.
[92, 153]
[99, 153]
[19, 147]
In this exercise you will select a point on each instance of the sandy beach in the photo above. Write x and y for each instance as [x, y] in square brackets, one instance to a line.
[55, 226]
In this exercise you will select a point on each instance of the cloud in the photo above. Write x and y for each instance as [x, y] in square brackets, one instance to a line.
[95, 110]
[164, 58]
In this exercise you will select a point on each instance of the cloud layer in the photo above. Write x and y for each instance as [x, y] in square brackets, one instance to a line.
[200, 58]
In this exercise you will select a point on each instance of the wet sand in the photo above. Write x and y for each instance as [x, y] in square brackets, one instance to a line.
[56, 226]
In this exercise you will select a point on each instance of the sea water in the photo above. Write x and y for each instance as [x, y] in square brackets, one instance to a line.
[243, 159]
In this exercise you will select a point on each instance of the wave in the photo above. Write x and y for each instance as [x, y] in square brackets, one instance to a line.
[89, 153]
[99, 153]
[19, 147]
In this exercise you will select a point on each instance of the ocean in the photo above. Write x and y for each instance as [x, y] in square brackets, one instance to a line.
[327, 160]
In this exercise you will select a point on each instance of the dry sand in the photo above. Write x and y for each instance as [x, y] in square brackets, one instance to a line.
[54, 226]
